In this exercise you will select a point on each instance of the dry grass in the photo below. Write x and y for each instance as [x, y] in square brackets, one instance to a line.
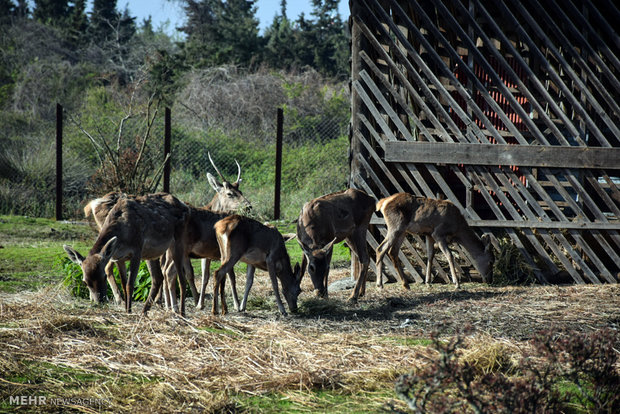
[57, 346]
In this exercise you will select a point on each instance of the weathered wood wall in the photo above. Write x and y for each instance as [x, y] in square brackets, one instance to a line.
[510, 109]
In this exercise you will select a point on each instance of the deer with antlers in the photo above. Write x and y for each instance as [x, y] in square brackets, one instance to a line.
[440, 221]
[260, 246]
[227, 199]
[330, 219]
[200, 239]
[135, 228]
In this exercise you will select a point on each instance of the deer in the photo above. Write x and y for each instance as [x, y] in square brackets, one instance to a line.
[200, 238]
[260, 246]
[439, 221]
[227, 199]
[327, 220]
[135, 228]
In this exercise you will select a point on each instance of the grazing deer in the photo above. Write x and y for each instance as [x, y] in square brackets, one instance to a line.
[227, 199]
[136, 228]
[260, 246]
[200, 239]
[330, 219]
[440, 221]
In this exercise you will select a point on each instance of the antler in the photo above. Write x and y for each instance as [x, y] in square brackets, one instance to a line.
[238, 173]
[216, 170]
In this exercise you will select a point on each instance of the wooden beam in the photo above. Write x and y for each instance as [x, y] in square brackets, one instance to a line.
[502, 154]
[529, 224]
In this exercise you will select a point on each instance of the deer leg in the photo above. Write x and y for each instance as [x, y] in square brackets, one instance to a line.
[134, 267]
[170, 285]
[393, 255]
[380, 254]
[159, 296]
[189, 274]
[358, 246]
[219, 281]
[122, 271]
[249, 281]
[205, 266]
[355, 266]
[179, 258]
[233, 287]
[443, 245]
[430, 255]
[109, 271]
[157, 279]
[274, 286]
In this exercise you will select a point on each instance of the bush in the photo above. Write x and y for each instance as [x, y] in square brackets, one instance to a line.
[571, 374]
[73, 280]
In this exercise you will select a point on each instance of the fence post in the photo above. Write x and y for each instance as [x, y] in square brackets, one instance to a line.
[279, 133]
[58, 161]
[167, 141]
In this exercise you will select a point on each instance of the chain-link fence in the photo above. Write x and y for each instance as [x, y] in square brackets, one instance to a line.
[315, 162]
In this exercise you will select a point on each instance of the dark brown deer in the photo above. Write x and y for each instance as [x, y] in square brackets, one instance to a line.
[330, 219]
[135, 228]
[440, 221]
[247, 240]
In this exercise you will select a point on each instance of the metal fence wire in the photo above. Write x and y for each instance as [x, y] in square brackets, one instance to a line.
[315, 162]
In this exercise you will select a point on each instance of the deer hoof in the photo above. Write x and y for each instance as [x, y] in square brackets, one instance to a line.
[406, 286]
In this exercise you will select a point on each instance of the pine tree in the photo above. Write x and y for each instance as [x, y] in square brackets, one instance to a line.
[51, 12]
[103, 21]
[221, 32]
[77, 24]
[280, 51]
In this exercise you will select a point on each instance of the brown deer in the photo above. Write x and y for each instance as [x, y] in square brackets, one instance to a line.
[260, 246]
[135, 228]
[200, 239]
[440, 221]
[227, 199]
[330, 219]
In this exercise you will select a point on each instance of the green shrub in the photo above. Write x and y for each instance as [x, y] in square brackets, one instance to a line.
[73, 280]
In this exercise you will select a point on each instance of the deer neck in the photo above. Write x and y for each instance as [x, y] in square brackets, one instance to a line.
[474, 246]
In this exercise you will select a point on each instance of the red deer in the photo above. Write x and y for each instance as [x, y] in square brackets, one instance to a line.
[260, 246]
[330, 219]
[136, 228]
[227, 199]
[440, 221]
[200, 238]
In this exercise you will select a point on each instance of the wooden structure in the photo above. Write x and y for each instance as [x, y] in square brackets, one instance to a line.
[510, 109]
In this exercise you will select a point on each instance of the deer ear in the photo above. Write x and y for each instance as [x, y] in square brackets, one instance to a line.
[486, 240]
[297, 272]
[328, 247]
[73, 254]
[214, 184]
[110, 247]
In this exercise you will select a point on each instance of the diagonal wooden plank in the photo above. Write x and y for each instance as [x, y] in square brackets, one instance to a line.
[553, 75]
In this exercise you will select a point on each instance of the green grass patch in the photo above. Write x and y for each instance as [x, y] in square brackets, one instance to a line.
[316, 401]
[398, 340]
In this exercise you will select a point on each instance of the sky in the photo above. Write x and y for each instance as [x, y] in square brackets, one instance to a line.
[163, 11]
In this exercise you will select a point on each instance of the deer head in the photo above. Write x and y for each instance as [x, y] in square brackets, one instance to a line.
[228, 198]
[486, 261]
[318, 265]
[291, 281]
[93, 268]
